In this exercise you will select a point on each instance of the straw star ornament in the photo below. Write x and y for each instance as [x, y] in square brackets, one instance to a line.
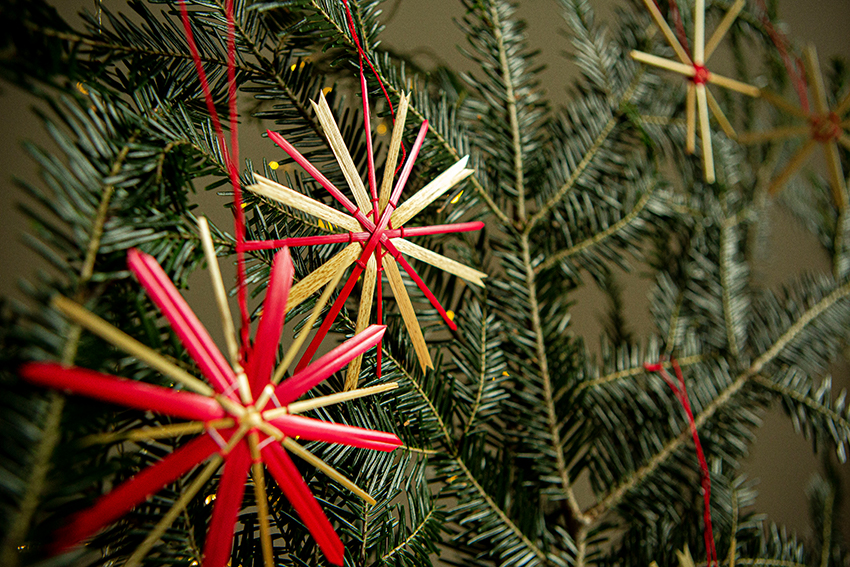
[699, 99]
[376, 237]
[245, 415]
[823, 125]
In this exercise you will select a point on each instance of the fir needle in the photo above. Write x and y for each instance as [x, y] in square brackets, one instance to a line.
[153, 536]
[723, 27]
[392, 153]
[125, 342]
[725, 125]
[296, 345]
[219, 293]
[363, 315]
[668, 33]
[705, 133]
[321, 465]
[408, 314]
[691, 116]
[261, 498]
[343, 157]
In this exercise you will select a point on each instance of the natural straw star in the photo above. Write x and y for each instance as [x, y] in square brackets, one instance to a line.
[245, 418]
[376, 236]
[699, 97]
[824, 126]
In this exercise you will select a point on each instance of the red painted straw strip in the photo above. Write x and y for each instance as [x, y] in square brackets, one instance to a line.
[115, 390]
[132, 492]
[264, 351]
[228, 502]
[185, 323]
[317, 430]
[231, 157]
[681, 393]
[298, 493]
[292, 388]
[380, 304]
[794, 67]
[347, 237]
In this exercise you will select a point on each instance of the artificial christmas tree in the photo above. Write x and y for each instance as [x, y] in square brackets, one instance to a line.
[514, 411]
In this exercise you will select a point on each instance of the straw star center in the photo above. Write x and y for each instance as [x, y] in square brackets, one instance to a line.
[826, 127]
[701, 74]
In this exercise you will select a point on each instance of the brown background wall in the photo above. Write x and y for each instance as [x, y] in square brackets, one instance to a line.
[781, 458]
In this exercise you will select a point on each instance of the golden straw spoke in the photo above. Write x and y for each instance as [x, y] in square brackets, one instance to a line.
[306, 455]
[734, 85]
[367, 293]
[343, 157]
[705, 134]
[153, 536]
[668, 33]
[392, 153]
[784, 133]
[783, 104]
[261, 499]
[844, 105]
[325, 273]
[315, 403]
[796, 162]
[440, 261]
[699, 32]
[128, 344]
[431, 192]
[845, 140]
[816, 79]
[408, 314]
[654, 60]
[219, 292]
[723, 27]
[725, 125]
[836, 174]
[691, 118]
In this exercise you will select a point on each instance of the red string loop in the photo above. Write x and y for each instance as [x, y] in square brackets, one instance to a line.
[793, 66]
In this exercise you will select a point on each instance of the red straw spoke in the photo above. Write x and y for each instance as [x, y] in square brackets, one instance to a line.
[303, 380]
[189, 329]
[296, 491]
[133, 492]
[228, 502]
[421, 285]
[681, 393]
[264, 351]
[380, 301]
[316, 430]
[115, 390]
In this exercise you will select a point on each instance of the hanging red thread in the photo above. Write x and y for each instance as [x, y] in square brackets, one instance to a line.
[231, 156]
[681, 393]
[680, 25]
[794, 66]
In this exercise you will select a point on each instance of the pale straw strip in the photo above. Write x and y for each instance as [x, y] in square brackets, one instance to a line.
[699, 32]
[219, 292]
[408, 314]
[845, 140]
[676, 67]
[306, 455]
[723, 27]
[322, 275]
[315, 403]
[668, 33]
[816, 79]
[793, 165]
[725, 125]
[734, 85]
[705, 134]
[175, 430]
[296, 200]
[428, 194]
[125, 342]
[836, 174]
[783, 104]
[326, 119]
[775, 134]
[438, 260]
[153, 536]
[691, 117]
[844, 105]
[367, 293]
[298, 342]
[392, 153]
[261, 499]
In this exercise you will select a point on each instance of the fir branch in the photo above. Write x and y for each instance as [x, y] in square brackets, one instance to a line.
[412, 537]
[640, 371]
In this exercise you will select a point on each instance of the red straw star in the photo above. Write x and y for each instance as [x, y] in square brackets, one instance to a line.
[247, 419]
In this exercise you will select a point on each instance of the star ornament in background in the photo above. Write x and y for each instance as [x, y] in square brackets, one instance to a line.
[824, 126]
[244, 419]
[699, 98]
[376, 237]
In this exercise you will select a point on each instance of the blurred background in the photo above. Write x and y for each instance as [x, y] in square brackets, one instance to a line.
[425, 29]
